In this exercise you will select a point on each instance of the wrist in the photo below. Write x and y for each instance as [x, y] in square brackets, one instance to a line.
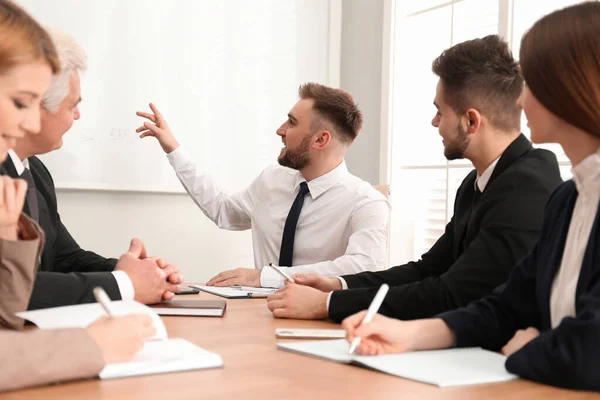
[171, 147]
[336, 284]
[323, 312]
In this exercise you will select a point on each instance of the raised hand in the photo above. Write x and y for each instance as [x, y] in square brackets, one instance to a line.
[157, 127]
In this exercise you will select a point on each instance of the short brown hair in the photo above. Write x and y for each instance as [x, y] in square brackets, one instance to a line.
[336, 106]
[482, 74]
[23, 40]
[560, 61]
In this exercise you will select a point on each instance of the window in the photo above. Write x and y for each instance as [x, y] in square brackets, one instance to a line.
[424, 183]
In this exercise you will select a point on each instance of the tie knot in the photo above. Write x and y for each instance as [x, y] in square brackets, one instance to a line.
[304, 188]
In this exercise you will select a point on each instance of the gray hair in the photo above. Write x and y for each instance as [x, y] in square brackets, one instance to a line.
[72, 59]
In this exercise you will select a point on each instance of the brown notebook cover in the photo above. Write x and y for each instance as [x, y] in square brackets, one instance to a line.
[200, 308]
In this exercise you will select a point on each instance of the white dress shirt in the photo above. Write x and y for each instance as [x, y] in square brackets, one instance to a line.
[342, 228]
[586, 175]
[123, 281]
[481, 181]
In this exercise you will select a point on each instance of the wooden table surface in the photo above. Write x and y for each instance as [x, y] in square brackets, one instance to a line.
[255, 369]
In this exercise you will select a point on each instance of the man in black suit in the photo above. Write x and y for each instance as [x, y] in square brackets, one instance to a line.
[498, 209]
[68, 274]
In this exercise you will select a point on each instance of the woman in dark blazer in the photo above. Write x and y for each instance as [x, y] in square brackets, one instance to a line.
[546, 318]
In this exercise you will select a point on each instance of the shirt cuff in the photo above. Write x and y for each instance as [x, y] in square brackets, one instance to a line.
[328, 300]
[344, 287]
[179, 157]
[271, 279]
[125, 285]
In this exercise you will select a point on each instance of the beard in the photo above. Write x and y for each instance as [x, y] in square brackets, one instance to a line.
[297, 158]
[455, 150]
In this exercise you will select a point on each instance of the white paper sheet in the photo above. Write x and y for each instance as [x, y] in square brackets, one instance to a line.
[82, 315]
[449, 367]
[233, 292]
[162, 357]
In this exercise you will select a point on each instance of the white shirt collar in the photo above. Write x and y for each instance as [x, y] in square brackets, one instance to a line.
[586, 174]
[319, 185]
[19, 165]
[483, 179]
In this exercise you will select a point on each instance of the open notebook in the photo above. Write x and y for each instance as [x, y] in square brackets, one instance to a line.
[159, 355]
[450, 367]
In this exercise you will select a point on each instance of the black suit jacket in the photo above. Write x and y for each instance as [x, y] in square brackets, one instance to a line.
[568, 355]
[479, 248]
[67, 273]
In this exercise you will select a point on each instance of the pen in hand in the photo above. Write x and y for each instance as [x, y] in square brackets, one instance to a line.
[283, 274]
[104, 300]
[373, 308]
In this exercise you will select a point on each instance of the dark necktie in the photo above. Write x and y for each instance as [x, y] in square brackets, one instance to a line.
[31, 199]
[289, 231]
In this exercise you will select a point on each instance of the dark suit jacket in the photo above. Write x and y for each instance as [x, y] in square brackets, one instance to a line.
[567, 356]
[478, 249]
[67, 274]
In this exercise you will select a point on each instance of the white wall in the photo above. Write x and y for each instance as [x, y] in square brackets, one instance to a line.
[174, 228]
[362, 34]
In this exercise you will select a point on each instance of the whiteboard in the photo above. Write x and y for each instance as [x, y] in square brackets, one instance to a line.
[223, 72]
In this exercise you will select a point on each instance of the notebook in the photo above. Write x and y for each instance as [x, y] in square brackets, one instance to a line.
[449, 367]
[201, 308]
[233, 292]
[158, 355]
[298, 333]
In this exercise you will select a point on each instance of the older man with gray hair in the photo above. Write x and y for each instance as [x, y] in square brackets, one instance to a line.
[68, 274]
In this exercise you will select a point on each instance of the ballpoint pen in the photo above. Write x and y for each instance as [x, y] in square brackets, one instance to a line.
[373, 308]
[280, 272]
[103, 299]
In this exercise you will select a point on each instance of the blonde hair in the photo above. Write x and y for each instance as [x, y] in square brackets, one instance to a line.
[23, 40]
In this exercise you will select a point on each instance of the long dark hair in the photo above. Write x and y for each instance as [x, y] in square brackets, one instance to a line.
[560, 61]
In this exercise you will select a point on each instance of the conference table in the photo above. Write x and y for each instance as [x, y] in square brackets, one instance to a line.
[255, 369]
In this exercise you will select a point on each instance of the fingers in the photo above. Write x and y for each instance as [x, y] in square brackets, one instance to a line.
[366, 330]
[228, 282]
[176, 278]
[21, 192]
[275, 304]
[169, 270]
[141, 319]
[158, 114]
[146, 115]
[143, 253]
[9, 194]
[350, 323]
[368, 348]
[276, 296]
[168, 295]
[220, 277]
[281, 313]
[2, 184]
[135, 248]
[153, 128]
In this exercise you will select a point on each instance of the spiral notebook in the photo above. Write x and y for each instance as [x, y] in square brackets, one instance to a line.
[450, 367]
